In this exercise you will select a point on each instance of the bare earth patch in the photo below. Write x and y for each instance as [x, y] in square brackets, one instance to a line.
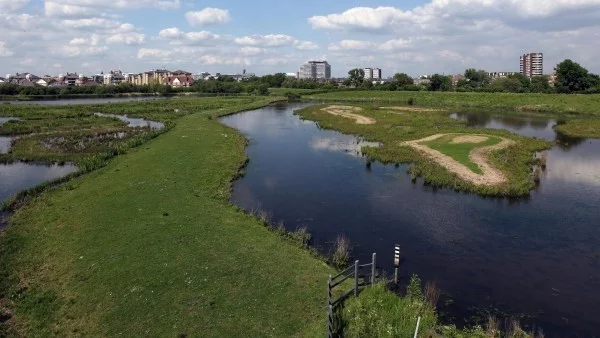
[479, 156]
[349, 112]
[412, 109]
[469, 139]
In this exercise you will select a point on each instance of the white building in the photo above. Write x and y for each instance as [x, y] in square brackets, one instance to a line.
[315, 70]
[532, 64]
[373, 74]
[114, 77]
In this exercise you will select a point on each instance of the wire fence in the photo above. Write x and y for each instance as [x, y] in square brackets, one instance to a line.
[361, 275]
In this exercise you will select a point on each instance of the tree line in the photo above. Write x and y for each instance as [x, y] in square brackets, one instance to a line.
[570, 78]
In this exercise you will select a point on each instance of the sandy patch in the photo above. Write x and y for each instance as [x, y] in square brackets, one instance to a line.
[412, 109]
[479, 156]
[469, 139]
[349, 112]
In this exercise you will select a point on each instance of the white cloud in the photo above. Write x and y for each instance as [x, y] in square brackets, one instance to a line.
[270, 40]
[153, 53]
[121, 4]
[10, 6]
[4, 51]
[396, 44]
[208, 16]
[77, 51]
[52, 8]
[252, 51]
[433, 15]
[131, 38]
[93, 40]
[305, 45]
[220, 60]
[352, 45]
[178, 37]
[90, 23]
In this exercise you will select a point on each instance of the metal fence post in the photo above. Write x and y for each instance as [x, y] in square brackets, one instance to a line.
[417, 329]
[356, 278]
[373, 270]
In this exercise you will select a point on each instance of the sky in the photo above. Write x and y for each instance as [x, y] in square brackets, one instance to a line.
[417, 37]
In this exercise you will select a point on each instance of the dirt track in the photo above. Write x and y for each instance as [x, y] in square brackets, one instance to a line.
[348, 112]
[479, 156]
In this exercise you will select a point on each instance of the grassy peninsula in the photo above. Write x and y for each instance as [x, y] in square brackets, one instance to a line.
[150, 246]
[394, 126]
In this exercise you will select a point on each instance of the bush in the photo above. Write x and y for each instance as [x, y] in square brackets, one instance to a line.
[341, 255]
[377, 312]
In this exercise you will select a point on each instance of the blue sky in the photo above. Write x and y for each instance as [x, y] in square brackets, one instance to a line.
[416, 37]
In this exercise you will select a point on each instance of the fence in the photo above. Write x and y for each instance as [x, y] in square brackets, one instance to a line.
[356, 272]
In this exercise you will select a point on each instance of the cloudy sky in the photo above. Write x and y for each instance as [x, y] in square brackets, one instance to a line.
[268, 36]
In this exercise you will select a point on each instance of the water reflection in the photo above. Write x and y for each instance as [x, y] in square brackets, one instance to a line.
[5, 143]
[18, 176]
[509, 254]
[134, 122]
[348, 145]
[527, 126]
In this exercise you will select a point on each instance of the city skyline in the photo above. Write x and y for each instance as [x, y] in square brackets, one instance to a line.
[51, 37]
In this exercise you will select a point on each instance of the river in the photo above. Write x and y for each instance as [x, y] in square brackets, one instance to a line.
[539, 256]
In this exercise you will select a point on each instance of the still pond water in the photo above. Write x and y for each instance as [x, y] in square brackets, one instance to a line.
[538, 256]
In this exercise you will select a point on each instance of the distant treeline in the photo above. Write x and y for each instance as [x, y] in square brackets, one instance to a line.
[570, 78]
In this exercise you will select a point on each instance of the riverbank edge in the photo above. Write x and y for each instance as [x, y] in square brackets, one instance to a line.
[521, 176]
[42, 190]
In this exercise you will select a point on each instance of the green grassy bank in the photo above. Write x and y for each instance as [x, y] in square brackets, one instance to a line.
[150, 246]
[393, 127]
[560, 104]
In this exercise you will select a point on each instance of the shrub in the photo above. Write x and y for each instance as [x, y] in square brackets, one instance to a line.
[341, 255]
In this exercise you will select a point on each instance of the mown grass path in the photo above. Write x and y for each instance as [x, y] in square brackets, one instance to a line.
[149, 246]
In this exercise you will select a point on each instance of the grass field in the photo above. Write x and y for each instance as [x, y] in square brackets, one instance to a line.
[150, 246]
[560, 104]
[460, 152]
[586, 128]
[394, 126]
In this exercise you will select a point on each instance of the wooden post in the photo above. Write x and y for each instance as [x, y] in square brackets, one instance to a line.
[373, 269]
[356, 278]
[396, 262]
[330, 321]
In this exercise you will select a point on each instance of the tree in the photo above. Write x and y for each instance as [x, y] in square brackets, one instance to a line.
[525, 81]
[506, 85]
[440, 83]
[571, 77]
[539, 84]
[402, 79]
[357, 76]
[477, 78]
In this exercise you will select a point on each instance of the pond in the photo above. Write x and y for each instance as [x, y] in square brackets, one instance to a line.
[18, 176]
[538, 256]
[134, 122]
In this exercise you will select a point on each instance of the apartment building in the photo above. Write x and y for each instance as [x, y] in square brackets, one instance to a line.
[532, 64]
[315, 70]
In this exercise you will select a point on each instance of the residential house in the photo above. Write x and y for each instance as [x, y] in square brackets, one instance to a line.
[456, 78]
[179, 81]
[114, 77]
[24, 79]
[71, 79]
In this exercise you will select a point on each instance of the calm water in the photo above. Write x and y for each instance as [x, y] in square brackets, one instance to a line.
[86, 101]
[134, 122]
[19, 176]
[539, 256]
[5, 143]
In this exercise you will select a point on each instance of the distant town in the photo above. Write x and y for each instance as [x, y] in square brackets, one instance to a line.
[530, 65]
